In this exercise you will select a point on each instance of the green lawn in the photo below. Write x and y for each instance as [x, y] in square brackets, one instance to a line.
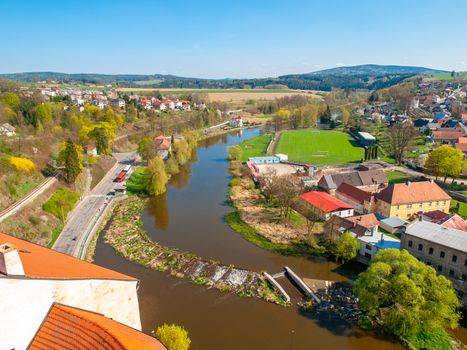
[319, 147]
[255, 146]
[395, 177]
[138, 180]
[61, 203]
[462, 210]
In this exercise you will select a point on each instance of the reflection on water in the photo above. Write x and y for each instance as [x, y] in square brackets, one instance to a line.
[190, 216]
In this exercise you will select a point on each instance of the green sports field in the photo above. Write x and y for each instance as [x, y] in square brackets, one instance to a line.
[320, 147]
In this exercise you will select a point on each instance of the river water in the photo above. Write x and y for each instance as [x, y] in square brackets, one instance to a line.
[190, 216]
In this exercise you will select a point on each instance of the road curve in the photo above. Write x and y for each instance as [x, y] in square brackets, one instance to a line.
[81, 222]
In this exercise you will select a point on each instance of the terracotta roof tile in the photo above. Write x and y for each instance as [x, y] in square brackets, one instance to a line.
[456, 222]
[67, 327]
[41, 262]
[415, 192]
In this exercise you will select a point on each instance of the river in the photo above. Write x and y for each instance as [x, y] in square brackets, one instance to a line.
[190, 216]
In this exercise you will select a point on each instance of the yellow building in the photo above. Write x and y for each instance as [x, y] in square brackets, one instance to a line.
[406, 200]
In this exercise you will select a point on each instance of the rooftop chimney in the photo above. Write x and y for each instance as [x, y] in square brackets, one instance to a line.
[10, 261]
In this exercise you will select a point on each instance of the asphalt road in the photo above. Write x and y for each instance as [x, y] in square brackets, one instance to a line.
[84, 216]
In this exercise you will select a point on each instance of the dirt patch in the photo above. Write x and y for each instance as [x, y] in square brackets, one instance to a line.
[102, 166]
[265, 220]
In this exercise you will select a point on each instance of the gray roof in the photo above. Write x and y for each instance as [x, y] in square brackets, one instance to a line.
[446, 236]
[394, 222]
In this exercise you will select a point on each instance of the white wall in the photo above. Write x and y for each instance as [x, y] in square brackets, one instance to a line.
[24, 303]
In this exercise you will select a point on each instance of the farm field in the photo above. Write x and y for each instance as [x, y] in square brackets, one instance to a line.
[395, 177]
[226, 95]
[320, 147]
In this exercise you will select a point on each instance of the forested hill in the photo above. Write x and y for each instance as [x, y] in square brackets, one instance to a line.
[356, 77]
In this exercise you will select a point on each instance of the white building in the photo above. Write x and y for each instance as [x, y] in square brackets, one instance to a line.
[7, 130]
[33, 278]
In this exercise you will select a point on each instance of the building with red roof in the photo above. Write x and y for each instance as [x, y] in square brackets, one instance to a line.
[325, 205]
[66, 327]
[362, 201]
[33, 278]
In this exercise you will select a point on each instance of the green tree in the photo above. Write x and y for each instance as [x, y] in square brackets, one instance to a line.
[173, 337]
[235, 152]
[43, 113]
[182, 151]
[71, 159]
[345, 247]
[171, 166]
[445, 161]
[11, 99]
[101, 139]
[146, 148]
[405, 295]
[157, 177]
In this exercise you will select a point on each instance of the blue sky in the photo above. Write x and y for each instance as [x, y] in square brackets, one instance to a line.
[236, 38]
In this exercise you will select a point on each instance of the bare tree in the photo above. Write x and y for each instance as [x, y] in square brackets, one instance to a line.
[400, 138]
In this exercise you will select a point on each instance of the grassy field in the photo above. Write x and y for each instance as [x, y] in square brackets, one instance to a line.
[395, 177]
[462, 210]
[61, 203]
[255, 146]
[447, 76]
[321, 147]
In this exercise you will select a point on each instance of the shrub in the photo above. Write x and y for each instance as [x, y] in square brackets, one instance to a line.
[22, 164]
[173, 337]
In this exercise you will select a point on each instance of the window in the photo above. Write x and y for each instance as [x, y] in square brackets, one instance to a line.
[368, 255]
[465, 262]
[411, 244]
[409, 206]
[420, 205]
[451, 272]
[454, 258]
[464, 277]
[420, 247]
[428, 263]
[441, 255]
[430, 251]
[430, 204]
[368, 247]
[398, 207]
[436, 203]
[440, 268]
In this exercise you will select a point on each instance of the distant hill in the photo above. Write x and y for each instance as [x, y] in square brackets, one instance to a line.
[368, 76]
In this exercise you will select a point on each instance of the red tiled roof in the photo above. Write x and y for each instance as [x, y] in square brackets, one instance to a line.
[368, 220]
[456, 222]
[67, 327]
[41, 262]
[462, 146]
[324, 201]
[447, 135]
[415, 192]
[437, 216]
[353, 193]
[161, 142]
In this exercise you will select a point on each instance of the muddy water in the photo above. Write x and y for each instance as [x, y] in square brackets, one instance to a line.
[190, 216]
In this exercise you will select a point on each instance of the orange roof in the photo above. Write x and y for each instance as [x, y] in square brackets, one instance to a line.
[414, 192]
[368, 220]
[67, 327]
[41, 262]
[462, 139]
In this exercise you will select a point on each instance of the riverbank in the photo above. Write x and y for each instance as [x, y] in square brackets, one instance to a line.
[262, 225]
[125, 234]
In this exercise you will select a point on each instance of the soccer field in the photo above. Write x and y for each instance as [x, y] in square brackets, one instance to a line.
[320, 147]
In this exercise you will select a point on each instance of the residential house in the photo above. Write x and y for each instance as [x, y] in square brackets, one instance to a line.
[119, 102]
[325, 206]
[393, 224]
[435, 216]
[370, 180]
[444, 248]
[421, 124]
[163, 146]
[406, 200]
[91, 149]
[64, 327]
[461, 145]
[362, 201]
[7, 129]
[449, 137]
[236, 121]
[365, 229]
[33, 278]
[457, 222]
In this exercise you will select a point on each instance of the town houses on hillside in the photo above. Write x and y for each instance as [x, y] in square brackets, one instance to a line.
[57, 291]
